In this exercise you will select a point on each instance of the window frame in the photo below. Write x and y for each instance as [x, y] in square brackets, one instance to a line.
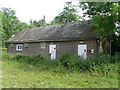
[42, 45]
[26, 45]
[12, 45]
[19, 47]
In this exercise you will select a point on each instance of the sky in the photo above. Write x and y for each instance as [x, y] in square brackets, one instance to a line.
[36, 9]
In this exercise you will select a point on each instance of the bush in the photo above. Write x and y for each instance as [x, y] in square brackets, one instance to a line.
[99, 59]
[6, 56]
[74, 61]
[4, 49]
[70, 61]
[96, 60]
[37, 59]
[20, 57]
[116, 58]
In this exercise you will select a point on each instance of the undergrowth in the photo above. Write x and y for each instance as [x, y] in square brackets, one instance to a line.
[68, 71]
[99, 62]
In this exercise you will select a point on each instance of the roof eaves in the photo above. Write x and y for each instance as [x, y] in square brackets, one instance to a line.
[50, 40]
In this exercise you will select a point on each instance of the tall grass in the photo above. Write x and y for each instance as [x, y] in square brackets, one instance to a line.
[99, 62]
[66, 71]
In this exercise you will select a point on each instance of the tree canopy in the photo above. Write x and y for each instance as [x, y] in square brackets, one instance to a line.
[39, 23]
[105, 17]
[10, 24]
[69, 14]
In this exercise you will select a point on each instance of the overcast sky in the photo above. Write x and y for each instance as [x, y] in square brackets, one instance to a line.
[35, 9]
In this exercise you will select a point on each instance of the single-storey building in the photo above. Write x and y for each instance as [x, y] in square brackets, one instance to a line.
[53, 40]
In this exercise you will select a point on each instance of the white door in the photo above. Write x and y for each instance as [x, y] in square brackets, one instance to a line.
[82, 50]
[52, 51]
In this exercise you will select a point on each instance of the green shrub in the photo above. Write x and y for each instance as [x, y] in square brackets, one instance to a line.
[20, 57]
[99, 59]
[6, 56]
[4, 49]
[70, 61]
[64, 58]
[37, 59]
[34, 60]
[74, 61]
[116, 58]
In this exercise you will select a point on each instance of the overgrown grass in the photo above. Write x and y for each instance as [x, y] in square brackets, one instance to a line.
[68, 71]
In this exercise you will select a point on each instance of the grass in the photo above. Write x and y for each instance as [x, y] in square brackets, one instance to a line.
[22, 75]
[16, 75]
[19, 75]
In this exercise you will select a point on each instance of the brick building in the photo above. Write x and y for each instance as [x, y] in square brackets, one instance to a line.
[53, 40]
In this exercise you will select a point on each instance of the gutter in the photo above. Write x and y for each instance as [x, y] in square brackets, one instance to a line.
[57, 40]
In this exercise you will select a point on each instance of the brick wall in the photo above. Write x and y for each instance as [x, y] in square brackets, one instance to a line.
[61, 47]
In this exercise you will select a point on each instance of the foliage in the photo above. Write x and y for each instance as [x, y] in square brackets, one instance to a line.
[104, 17]
[74, 61]
[115, 44]
[69, 14]
[39, 23]
[11, 24]
[70, 61]
[36, 60]
[30, 59]
[6, 56]
[23, 75]
[4, 49]
[9, 19]
[2, 34]
[116, 58]
[99, 59]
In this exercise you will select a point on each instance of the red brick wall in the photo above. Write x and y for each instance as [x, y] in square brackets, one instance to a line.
[61, 47]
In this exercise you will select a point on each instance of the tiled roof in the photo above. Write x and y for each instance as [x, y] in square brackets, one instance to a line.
[70, 31]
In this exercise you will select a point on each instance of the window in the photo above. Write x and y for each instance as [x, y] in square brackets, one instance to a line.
[11, 45]
[19, 47]
[42, 45]
[25, 45]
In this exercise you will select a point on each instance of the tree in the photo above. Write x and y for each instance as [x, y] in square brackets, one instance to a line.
[1, 28]
[39, 23]
[104, 17]
[9, 21]
[69, 14]
[2, 33]
[10, 24]
[20, 26]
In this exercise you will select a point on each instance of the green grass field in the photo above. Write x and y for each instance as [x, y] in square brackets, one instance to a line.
[21, 75]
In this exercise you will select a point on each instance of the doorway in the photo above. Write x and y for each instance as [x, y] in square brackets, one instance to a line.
[52, 51]
[82, 50]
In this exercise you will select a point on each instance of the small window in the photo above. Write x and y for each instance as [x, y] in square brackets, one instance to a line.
[19, 47]
[11, 45]
[42, 45]
[25, 45]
